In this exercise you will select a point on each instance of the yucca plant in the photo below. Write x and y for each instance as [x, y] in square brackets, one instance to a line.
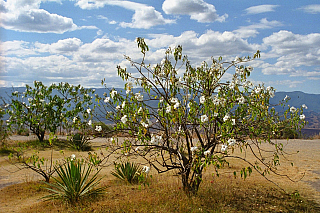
[128, 172]
[74, 181]
[80, 142]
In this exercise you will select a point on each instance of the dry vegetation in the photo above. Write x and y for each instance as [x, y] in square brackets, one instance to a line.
[216, 194]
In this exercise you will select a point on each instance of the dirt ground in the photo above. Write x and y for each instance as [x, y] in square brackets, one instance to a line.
[306, 161]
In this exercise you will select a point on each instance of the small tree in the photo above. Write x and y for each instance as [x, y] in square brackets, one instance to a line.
[44, 108]
[189, 121]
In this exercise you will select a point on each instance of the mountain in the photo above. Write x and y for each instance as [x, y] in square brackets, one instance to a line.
[297, 98]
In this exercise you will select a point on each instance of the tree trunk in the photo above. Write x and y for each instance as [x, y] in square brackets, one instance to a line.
[191, 180]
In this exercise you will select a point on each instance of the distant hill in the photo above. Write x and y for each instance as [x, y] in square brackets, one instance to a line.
[297, 98]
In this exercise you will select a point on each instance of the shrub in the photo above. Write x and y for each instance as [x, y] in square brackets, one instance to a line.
[128, 172]
[80, 142]
[74, 181]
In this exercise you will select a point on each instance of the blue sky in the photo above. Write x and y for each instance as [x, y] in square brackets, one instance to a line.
[82, 41]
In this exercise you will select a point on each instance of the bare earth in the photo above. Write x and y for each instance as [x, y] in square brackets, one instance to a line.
[306, 161]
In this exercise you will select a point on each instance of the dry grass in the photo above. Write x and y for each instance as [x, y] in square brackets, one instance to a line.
[216, 194]
[223, 194]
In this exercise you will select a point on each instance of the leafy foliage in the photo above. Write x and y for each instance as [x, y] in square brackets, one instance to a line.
[75, 182]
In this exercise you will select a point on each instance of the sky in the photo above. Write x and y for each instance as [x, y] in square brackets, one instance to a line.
[83, 41]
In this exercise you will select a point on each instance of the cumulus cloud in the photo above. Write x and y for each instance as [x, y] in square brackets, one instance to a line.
[197, 10]
[65, 46]
[144, 16]
[293, 52]
[312, 8]
[24, 15]
[261, 9]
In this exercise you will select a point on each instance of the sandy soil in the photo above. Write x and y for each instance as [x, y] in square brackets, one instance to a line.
[306, 161]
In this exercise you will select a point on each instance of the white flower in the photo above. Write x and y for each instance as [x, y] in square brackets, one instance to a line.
[74, 119]
[107, 99]
[202, 99]
[140, 110]
[304, 106]
[123, 104]
[231, 142]
[250, 68]
[292, 109]
[302, 117]
[176, 105]
[72, 157]
[236, 59]
[257, 90]
[204, 118]
[232, 85]
[146, 169]
[90, 123]
[118, 107]
[88, 111]
[124, 119]
[207, 153]
[233, 121]
[224, 148]
[241, 100]
[136, 149]
[145, 125]
[128, 91]
[98, 128]
[174, 100]
[188, 105]
[215, 114]
[168, 109]
[285, 98]
[179, 84]
[139, 97]
[193, 149]
[226, 117]
[163, 61]
[215, 100]
[161, 100]
[268, 88]
[113, 93]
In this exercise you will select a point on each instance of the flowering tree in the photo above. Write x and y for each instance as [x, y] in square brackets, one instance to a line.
[45, 108]
[188, 122]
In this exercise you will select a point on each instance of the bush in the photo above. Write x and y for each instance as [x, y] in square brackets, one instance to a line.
[80, 142]
[73, 182]
[128, 172]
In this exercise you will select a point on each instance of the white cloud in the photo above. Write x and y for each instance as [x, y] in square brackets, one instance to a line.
[313, 8]
[144, 16]
[17, 48]
[293, 52]
[252, 30]
[197, 10]
[25, 16]
[261, 9]
[65, 46]
[288, 83]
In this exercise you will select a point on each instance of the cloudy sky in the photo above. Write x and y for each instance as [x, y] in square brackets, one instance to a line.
[82, 41]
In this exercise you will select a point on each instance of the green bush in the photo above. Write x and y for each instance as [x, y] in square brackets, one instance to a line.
[80, 142]
[74, 182]
[128, 172]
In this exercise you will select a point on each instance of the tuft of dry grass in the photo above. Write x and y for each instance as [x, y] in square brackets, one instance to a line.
[216, 194]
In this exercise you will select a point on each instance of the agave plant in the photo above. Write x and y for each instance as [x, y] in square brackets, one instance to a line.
[74, 181]
[128, 172]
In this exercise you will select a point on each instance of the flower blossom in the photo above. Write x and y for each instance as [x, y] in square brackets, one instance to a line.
[140, 110]
[72, 157]
[139, 97]
[124, 119]
[88, 110]
[90, 123]
[292, 109]
[302, 117]
[176, 105]
[204, 118]
[146, 169]
[113, 93]
[107, 99]
[123, 104]
[224, 147]
[98, 128]
[231, 142]
[226, 117]
[74, 119]
[233, 121]
[193, 149]
[241, 100]
[304, 106]
[118, 107]
[168, 109]
[285, 98]
[207, 153]
[202, 99]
